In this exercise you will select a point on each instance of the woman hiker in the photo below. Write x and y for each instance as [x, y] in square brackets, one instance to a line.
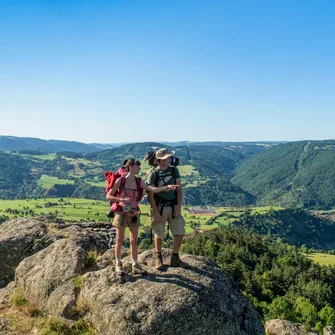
[126, 211]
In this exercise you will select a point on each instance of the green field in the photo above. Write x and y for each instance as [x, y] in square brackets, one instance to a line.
[187, 170]
[97, 183]
[48, 181]
[84, 210]
[322, 259]
[42, 157]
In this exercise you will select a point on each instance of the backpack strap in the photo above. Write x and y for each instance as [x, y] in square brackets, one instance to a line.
[174, 175]
[156, 176]
[122, 184]
[139, 189]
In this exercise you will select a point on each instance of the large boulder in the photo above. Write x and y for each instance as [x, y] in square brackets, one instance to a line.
[4, 325]
[284, 327]
[20, 238]
[60, 281]
[329, 331]
[17, 240]
[198, 300]
[46, 278]
[5, 294]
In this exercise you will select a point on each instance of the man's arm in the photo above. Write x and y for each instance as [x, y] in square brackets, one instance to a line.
[155, 212]
[154, 189]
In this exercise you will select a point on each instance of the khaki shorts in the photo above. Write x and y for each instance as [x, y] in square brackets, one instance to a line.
[177, 226]
[126, 220]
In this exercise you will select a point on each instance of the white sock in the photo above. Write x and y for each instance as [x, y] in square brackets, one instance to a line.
[134, 261]
[118, 261]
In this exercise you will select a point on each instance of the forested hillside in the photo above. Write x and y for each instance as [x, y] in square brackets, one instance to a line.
[15, 171]
[218, 192]
[293, 226]
[281, 282]
[292, 174]
[205, 172]
[296, 174]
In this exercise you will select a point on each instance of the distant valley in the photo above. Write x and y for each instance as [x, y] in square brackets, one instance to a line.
[294, 174]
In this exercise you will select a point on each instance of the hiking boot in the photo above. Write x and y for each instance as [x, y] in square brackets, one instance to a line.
[138, 270]
[119, 269]
[159, 261]
[177, 262]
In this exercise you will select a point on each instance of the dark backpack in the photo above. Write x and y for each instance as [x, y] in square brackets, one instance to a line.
[158, 178]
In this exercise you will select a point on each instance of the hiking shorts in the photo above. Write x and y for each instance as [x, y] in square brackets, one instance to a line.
[126, 220]
[176, 225]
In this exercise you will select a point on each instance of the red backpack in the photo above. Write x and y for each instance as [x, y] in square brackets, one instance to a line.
[112, 177]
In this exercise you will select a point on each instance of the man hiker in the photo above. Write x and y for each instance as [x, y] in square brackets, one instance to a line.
[166, 207]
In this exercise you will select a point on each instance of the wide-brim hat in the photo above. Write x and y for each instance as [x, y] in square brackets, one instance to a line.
[163, 154]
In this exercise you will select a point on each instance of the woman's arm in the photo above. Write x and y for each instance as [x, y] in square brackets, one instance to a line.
[110, 196]
[154, 189]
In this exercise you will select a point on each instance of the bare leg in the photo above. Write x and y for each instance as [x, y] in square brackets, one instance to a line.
[178, 240]
[158, 244]
[119, 241]
[133, 242]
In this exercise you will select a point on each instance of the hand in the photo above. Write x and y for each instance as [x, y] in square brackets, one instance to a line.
[172, 187]
[126, 200]
[177, 212]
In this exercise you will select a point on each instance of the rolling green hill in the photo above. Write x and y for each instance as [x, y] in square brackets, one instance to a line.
[15, 171]
[295, 174]
[205, 172]
[13, 143]
[293, 226]
[292, 174]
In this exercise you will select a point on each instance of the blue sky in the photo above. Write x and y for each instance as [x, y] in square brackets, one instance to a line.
[135, 71]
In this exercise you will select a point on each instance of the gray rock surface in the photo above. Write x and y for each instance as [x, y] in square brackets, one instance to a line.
[20, 238]
[3, 325]
[198, 300]
[6, 292]
[46, 278]
[284, 327]
[329, 331]
[17, 240]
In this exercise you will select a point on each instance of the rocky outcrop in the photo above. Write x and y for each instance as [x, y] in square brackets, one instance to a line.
[197, 300]
[283, 327]
[4, 325]
[58, 279]
[5, 294]
[47, 278]
[20, 238]
[17, 240]
[329, 331]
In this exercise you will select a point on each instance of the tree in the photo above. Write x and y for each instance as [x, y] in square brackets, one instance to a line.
[327, 316]
[280, 308]
[306, 312]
